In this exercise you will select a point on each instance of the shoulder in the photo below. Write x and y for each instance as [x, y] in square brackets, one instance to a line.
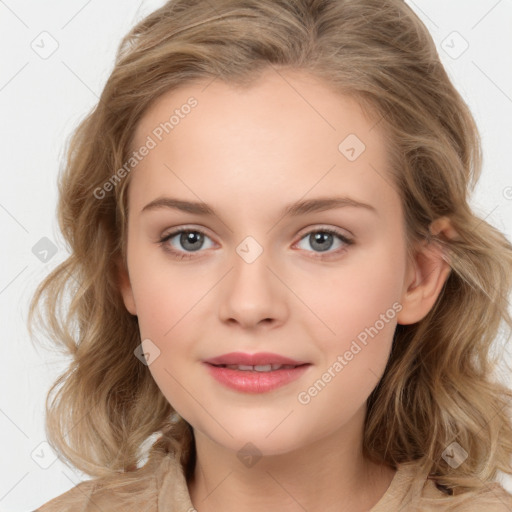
[122, 492]
[74, 499]
[106, 494]
[414, 492]
[493, 498]
[490, 498]
[159, 482]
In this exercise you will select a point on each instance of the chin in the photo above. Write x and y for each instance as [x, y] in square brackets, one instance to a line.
[262, 439]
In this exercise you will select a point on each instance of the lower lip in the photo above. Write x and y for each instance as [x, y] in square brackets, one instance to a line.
[248, 381]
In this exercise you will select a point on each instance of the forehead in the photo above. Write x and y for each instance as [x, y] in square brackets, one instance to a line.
[275, 98]
[288, 132]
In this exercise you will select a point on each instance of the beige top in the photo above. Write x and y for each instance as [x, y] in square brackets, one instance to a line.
[160, 486]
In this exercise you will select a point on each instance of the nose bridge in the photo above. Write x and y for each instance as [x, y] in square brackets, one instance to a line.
[252, 292]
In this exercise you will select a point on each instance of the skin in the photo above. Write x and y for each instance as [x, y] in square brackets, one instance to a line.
[247, 154]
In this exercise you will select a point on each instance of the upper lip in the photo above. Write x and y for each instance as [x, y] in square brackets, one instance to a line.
[260, 358]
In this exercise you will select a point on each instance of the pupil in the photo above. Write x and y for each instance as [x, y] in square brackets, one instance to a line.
[193, 238]
[321, 238]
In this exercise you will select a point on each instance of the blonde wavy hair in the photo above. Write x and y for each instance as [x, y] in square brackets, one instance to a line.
[439, 385]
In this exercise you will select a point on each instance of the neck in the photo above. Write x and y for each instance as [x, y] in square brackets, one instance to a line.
[330, 474]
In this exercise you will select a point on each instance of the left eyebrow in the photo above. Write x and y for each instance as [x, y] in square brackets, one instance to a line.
[322, 204]
[293, 210]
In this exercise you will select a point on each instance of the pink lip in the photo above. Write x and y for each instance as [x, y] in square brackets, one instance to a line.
[260, 358]
[248, 381]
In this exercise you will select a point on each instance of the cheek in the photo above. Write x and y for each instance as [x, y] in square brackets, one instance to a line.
[164, 295]
[168, 300]
[165, 307]
[358, 306]
[354, 354]
[361, 294]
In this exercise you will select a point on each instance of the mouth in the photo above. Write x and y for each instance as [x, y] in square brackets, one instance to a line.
[255, 373]
[259, 367]
[261, 361]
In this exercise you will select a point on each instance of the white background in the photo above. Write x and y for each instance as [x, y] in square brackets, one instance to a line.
[42, 101]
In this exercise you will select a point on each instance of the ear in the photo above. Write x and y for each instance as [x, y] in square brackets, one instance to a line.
[125, 287]
[426, 275]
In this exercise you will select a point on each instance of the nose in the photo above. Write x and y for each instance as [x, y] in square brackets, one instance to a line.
[253, 294]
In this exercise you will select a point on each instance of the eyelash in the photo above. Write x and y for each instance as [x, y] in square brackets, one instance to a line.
[185, 256]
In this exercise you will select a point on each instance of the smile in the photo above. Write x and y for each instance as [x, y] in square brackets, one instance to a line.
[257, 378]
[258, 368]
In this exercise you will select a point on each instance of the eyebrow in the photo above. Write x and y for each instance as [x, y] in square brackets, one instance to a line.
[291, 210]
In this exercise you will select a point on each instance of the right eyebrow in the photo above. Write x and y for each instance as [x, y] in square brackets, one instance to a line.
[177, 204]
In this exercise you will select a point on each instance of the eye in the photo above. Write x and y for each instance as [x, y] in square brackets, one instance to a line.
[192, 240]
[322, 240]
[189, 239]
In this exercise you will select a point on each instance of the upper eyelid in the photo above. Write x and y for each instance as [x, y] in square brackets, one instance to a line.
[324, 227]
[303, 231]
[176, 231]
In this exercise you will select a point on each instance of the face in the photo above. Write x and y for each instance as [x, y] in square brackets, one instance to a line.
[320, 285]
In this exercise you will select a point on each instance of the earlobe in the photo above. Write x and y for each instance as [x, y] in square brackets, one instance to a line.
[426, 276]
[125, 288]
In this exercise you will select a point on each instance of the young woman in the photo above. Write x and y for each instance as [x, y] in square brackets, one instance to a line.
[274, 268]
